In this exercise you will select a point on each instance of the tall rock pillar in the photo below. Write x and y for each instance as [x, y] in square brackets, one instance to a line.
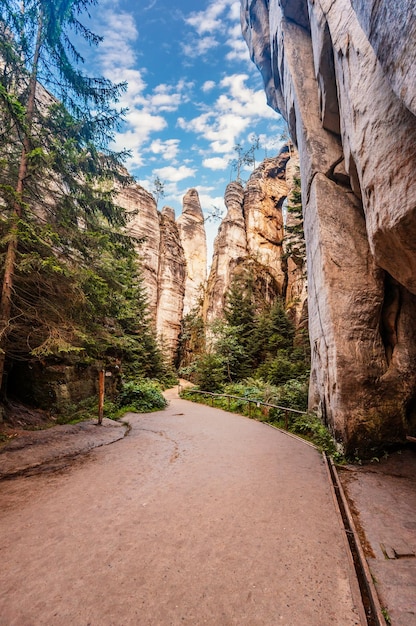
[171, 284]
[193, 238]
[230, 250]
[347, 91]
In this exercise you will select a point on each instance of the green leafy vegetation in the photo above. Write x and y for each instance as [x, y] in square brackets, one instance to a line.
[142, 396]
[254, 338]
[71, 284]
[292, 395]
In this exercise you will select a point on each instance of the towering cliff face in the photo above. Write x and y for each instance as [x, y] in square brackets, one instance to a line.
[163, 262]
[264, 196]
[250, 238]
[343, 76]
[144, 223]
[171, 283]
[193, 238]
[230, 249]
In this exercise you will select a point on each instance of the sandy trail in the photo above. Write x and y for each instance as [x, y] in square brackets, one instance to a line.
[197, 517]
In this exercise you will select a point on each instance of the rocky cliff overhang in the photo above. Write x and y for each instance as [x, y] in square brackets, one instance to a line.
[343, 74]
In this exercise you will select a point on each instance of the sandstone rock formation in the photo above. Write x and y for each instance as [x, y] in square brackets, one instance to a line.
[171, 283]
[264, 196]
[343, 75]
[230, 249]
[193, 238]
[250, 238]
[144, 224]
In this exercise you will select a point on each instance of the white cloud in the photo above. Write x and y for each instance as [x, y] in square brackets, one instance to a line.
[119, 31]
[209, 21]
[208, 86]
[199, 47]
[174, 174]
[234, 112]
[217, 163]
[168, 149]
[239, 51]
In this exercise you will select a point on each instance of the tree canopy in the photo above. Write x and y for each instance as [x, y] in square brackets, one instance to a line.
[70, 280]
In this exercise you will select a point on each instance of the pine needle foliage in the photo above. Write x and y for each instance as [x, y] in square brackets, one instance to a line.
[70, 282]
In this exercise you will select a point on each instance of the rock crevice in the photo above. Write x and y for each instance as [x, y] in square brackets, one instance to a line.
[344, 77]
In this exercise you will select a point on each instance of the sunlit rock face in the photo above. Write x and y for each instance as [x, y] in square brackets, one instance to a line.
[144, 223]
[171, 284]
[193, 239]
[264, 196]
[230, 249]
[250, 239]
[343, 74]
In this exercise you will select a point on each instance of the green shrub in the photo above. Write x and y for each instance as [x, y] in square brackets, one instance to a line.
[281, 368]
[144, 396]
[209, 374]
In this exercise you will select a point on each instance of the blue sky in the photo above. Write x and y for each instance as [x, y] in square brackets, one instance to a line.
[193, 93]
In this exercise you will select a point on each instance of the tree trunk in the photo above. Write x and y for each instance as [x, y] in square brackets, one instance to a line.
[11, 252]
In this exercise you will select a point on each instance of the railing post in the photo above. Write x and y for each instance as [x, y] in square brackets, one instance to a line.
[286, 420]
[249, 408]
[228, 398]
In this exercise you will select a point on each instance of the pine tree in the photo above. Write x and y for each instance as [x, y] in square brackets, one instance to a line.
[57, 172]
[295, 238]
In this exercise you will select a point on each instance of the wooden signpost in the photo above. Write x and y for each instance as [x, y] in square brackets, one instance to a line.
[101, 387]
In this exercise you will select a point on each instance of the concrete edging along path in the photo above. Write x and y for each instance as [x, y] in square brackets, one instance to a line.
[198, 517]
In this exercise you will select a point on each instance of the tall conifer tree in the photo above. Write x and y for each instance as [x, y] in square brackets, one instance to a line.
[57, 172]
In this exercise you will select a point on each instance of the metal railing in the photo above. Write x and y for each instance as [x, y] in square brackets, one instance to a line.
[249, 401]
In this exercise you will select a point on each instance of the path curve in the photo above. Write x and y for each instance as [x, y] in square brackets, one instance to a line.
[197, 517]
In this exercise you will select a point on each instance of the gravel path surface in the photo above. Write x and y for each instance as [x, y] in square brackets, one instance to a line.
[198, 516]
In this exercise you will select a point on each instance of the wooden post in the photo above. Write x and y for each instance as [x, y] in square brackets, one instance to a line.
[286, 420]
[101, 379]
[249, 408]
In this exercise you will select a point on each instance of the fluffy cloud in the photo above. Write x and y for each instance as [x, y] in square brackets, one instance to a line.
[217, 163]
[168, 149]
[198, 47]
[208, 86]
[234, 112]
[174, 174]
[209, 21]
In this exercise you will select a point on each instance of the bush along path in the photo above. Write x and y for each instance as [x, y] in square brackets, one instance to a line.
[277, 407]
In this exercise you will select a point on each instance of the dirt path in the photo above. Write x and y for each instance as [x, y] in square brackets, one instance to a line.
[197, 517]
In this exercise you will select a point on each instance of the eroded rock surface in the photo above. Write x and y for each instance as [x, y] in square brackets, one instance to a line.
[343, 76]
[230, 249]
[250, 239]
[193, 238]
[265, 193]
[171, 283]
[144, 224]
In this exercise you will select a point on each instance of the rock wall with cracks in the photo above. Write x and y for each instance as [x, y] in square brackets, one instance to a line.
[343, 75]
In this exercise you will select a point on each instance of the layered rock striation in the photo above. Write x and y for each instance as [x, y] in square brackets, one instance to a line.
[250, 238]
[230, 250]
[171, 283]
[192, 234]
[143, 224]
[343, 75]
[173, 258]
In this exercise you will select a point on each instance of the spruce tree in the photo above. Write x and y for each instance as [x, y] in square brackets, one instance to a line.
[57, 172]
